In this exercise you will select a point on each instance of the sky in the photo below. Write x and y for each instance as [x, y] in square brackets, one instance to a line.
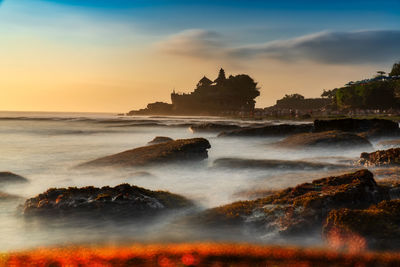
[119, 55]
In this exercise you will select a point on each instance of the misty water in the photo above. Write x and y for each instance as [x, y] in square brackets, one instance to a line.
[44, 148]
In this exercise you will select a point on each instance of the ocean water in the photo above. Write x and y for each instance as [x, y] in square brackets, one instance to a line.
[45, 147]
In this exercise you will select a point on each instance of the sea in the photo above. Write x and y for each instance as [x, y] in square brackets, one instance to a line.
[44, 147]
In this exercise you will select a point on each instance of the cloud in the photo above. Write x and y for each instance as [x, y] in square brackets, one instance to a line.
[193, 43]
[357, 47]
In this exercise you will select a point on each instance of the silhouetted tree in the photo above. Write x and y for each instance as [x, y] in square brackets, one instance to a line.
[395, 69]
[380, 73]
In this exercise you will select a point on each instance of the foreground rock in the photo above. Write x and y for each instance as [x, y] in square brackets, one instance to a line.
[298, 210]
[239, 163]
[212, 127]
[9, 177]
[122, 201]
[270, 130]
[381, 158]
[331, 139]
[371, 127]
[377, 227]
[160, 140]
[178, 150]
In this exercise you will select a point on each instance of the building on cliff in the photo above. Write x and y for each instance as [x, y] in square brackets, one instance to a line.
[223, 96]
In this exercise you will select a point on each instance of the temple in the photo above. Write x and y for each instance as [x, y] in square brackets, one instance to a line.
[223, 96]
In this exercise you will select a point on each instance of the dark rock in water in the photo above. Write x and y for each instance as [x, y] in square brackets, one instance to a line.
[381, 157]
[9, 177]
[377, 227]
[274, 164]
[389, 143]
[270, 130]
[329, 139]
[122, 201]
[178, 150]
[299, 210]
[371, 127]
[159, 140]
[212, 127]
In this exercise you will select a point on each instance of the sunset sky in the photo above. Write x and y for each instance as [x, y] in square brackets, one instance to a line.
[119, 55]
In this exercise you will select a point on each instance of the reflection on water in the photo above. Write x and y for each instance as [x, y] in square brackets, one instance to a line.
[44, 147]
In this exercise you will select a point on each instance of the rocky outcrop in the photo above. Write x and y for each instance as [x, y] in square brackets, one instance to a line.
[9, 177]
[178, 150]
[370, 127]
[212, 127]
[8, 197]
[160, 139]
[331, 139]
[239, 163]
[377, 227]
[122, 201]
[269, 131]
[381, 158]
[298, 210]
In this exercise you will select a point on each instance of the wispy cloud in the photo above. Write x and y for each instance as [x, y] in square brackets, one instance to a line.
[357, 47]
[193, 43]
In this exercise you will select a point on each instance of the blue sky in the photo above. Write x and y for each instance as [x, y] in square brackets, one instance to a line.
[117, 45]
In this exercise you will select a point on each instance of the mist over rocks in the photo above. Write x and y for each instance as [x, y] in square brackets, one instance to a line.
[269, 130]
[368, 127]
[329, 139]
[119, 202]
[160, 139]
[240, 163]
[212, 127]
[9, 177]
[173, 151]
[299, 210]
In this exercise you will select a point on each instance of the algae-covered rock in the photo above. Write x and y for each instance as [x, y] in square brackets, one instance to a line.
[297, 210]
[377, 227]
[381, 158]
[122, 201]
[178, 150]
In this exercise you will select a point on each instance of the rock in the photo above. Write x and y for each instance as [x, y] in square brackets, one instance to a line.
[212, 127]
[270, 130]
[9, 177]
[381, 158]
[389, 143]
[273, 164]
[371, 127]
[159, 140]
[178, 150]
[331, 139]
[377, 227]
[122, 201]
[298, 210]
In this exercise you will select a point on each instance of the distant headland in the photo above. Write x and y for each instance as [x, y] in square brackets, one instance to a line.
[235, 96]
[223, 96]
